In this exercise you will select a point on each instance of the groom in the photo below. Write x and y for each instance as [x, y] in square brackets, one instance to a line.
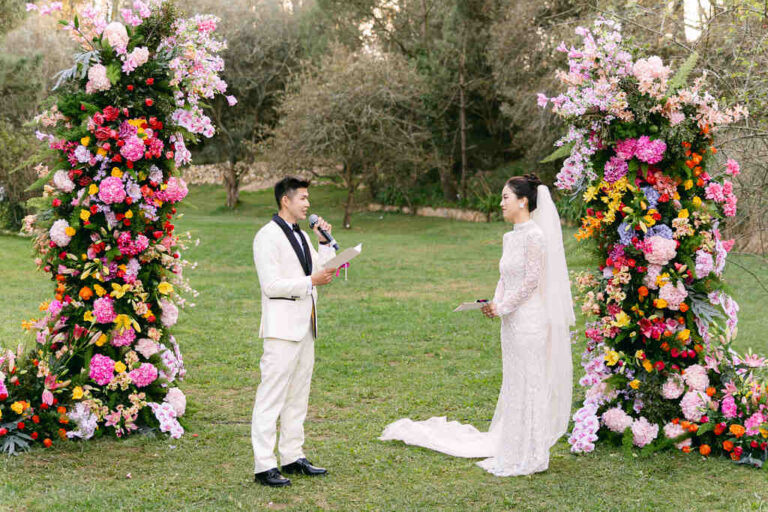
[290, 270]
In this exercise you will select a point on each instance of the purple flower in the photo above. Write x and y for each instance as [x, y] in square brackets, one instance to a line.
[615, 169]
[650, 151]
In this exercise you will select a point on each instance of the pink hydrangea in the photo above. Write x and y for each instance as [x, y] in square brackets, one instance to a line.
[104, 310]
[673, 430]
[62, 182]
[111, 190]
[616, 420]
[650, 151]
[705, 264]
[673, 387]
[144, 375]
[659, 250]
[177, 400]
[650, 276]
[625, 149]
[696, 377]
[753, 423]
[714, 191]
[147, 348]
[58, 233]
[133, 149]
[643, 432]
[650, 69]
[728, 407]
[693, 405]
[175, 190]
[102, 369]
[674, 295]
[732, 167]
[170, 313]
[122, 339]
[116, 34]
[97, 79]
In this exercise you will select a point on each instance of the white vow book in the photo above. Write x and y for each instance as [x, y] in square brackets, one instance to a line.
[470, 306]
[344, 256]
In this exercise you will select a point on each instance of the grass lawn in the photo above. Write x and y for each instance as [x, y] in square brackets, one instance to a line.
[389, 347]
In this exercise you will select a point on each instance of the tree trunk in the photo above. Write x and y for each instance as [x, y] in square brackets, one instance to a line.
[232, 184]
[448, 183]
[349, 181]
[463, 121]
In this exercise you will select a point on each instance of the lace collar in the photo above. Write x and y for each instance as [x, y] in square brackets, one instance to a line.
[523, 226]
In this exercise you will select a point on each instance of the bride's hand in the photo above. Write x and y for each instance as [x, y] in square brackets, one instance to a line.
[489, 310]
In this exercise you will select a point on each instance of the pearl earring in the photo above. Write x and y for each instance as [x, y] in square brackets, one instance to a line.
[522, 205]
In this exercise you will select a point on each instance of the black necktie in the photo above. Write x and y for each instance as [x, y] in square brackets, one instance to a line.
[295, 227]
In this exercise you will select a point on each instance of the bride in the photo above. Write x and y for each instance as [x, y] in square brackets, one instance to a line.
[533, 299]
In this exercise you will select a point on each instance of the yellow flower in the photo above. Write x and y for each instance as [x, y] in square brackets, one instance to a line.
[93, 189]
[764, 432]
[83, 256]
[684, 334]
[612, 357]
[43, 306]
[85, 214]
[142, 176]
[77, 393]
[676, 196]
[639, 354]
[165, 288]
[88, 316]
[696, 201]
[100, 291]
[1, 414]
[85, 141]
[649, 220]
[70, 231]
[117, 173]
[688, 184]
[122, 322]
[101, 152]
[590, 194]
[129, 214]
[683, 214]
[102, 340]
[622, 320]
[17, 407]
[660, 303]
[120, 367]
[648, 366]
[634, 384]
[118, 291]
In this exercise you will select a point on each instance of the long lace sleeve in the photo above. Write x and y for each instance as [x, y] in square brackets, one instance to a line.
[498, 295]
[534, 250]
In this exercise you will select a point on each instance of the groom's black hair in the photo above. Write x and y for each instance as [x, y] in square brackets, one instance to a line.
[287, 187]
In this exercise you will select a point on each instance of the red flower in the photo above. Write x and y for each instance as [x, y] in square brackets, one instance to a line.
[3, 396]
[111, 113]
[659, 365]
[150, 81]
[130, 87]
[35, 419]
[20, 425]
[3, 431]
[753, 444]
[47, 442]
[33, 435]
[149, 102]
[102, 133]
[56, 202]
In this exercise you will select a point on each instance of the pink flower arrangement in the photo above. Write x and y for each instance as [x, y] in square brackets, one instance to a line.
[129, 247]
[643, 432]
[62, 182]
[123, 339]
[177, 400]
[673, 387]
[147, 348]
[728, 407]
[102, 369]
[674, 430]
[133, 150]
[625, 149]
[103, 310]
[116, 35]
[732, 167]
[174, 191]
[696, 377]
[586, 425]
[753, 423]
[659, 250]
[58, 233]
[650, 151]
[616, 420]
[705, 264]
[97, 79]
[693, 405]
[144, 375]
[138, 57]
[166, 416]
[111, 190]
[170, 313]
[674, 295]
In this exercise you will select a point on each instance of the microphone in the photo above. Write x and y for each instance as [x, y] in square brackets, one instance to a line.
[313, 220]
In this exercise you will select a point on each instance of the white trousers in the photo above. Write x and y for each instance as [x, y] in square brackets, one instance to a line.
[286, 373]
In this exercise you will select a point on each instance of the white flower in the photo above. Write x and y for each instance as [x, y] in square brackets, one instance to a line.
[58, 233]
[62, 182]
[177, 400]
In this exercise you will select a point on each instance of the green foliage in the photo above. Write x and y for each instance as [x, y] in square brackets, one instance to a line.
[17, 159]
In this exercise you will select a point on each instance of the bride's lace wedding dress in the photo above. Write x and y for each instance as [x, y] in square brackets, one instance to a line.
[534, 403]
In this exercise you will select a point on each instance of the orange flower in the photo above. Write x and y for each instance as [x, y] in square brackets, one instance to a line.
[711, 391]
[727, 446]
[705, 129]
[698, 348]
[713, 149]
[86, 293]
[685, 424]
[693, 428]
[642, 291]
[61, 410]
[686, 449]
[665, 346]
[737, 430]
[696, 158]
[690, 164]
[735, 456]
[47, 442]
[676, 421]
[683, 307]
[705, 450]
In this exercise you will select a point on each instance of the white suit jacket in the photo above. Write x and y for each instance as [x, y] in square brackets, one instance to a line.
[286, 300]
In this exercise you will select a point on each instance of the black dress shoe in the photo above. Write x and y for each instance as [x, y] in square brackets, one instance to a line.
[304, 467]
[272, 478]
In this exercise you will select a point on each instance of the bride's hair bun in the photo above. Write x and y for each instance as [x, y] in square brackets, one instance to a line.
[525, 186]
